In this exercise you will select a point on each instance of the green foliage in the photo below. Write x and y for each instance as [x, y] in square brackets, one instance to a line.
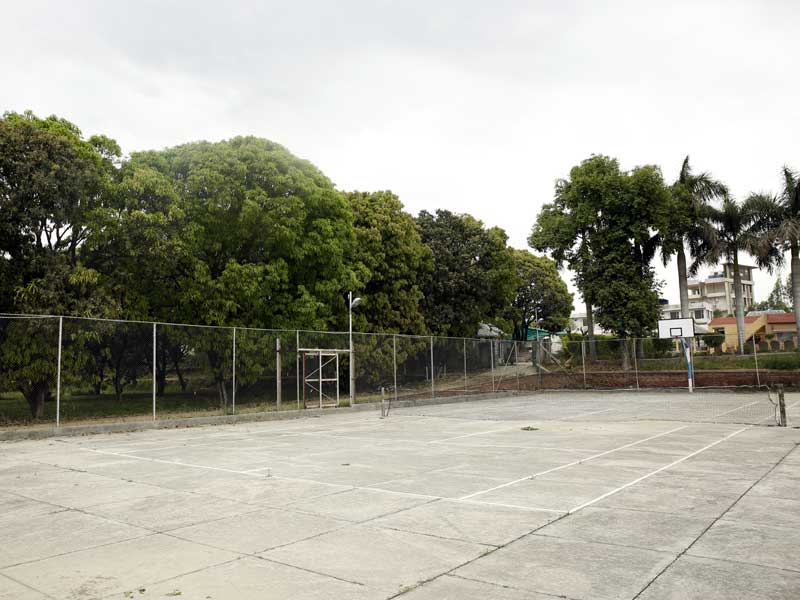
[392, 260]
[266, 234]
[540, 293]
[601, 223]
[714, 340]
[780, 298]
[473, 278]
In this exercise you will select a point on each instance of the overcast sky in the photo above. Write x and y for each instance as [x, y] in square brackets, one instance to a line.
[468, 105]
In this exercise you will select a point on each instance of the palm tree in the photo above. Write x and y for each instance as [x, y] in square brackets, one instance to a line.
[785, 232]
[691, 193]
[733, 228]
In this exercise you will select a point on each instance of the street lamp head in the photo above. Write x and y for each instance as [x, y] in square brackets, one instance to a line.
[355, 302]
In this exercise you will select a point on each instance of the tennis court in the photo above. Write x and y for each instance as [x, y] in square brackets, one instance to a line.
[571, 495]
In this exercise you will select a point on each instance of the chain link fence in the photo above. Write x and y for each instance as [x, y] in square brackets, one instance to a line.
[65, 369]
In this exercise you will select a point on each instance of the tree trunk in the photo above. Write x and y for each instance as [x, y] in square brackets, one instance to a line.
[626, 356]
[223, 394]
[590, 332]
[161, 372]
[35, 397]
[683, 286]
[737, 287]
[795, 250]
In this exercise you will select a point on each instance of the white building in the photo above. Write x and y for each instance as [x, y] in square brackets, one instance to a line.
[718, 292]
[577, 322]
[701, 311]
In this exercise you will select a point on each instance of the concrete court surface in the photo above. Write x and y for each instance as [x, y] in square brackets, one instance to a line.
[530, 498]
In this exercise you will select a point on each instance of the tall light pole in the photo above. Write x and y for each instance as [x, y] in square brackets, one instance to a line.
[352, 303]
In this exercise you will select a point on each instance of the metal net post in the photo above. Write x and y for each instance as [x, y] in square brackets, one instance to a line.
[464, 343]
[155, 367]
[233, 374]
[491, 360]
[394, 364]
[297, 369]
[58, 371]
[433, 387]
[583, 361]
[755, 360]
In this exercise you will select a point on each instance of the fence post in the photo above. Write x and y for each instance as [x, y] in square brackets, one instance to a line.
[781, 404]
[433, 387]
[465, 366]
[233, 391]
[58, 372]
[491, 360]
[155, 368]
[636, 362]
[539, 351]
[583, 361]
[297, 367]
[516, 362]
[394, 364]
[278, 373]
[755, 359]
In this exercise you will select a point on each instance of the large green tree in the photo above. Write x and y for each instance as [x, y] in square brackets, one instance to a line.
[473, 277]
[542, 297]
[269, 234]
[51, 181]
[566, 227]
[622, 274]
[391, 261]
[690, 192]
[602, 224]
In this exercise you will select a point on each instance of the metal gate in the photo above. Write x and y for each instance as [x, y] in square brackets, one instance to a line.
[320, 369]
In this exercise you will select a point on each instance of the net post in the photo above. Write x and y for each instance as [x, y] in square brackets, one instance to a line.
[781, 404]
[233, 375]
[58, 372]
[278, 382]
[491, 360]
[394, 364]
[465, 366]
[687, 352]
[433, 387]
[297, 367]
[583, 361]
[155, 366]
[636, 362]
[755, 359]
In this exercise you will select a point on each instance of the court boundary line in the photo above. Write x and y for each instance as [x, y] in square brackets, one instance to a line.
[576, 462]
[655, 472]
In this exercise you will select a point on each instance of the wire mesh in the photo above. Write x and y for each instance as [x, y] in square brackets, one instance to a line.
[480, 366]
[28, 370]
[107, 370]
[257, 375]
[196, 365]
[374, 366]
[413, 367]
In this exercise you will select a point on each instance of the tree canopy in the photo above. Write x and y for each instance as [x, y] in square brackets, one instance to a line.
[542, 299]
[473, 277]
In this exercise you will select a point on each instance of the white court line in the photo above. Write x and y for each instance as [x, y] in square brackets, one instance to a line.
[593, 412]
[517, 506]
[643, 477]
[572, 464]
[466, 435]
[163, 461]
